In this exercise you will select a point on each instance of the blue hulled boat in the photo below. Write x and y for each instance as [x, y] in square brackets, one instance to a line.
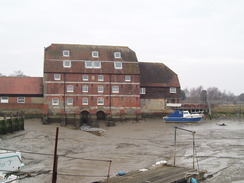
[183, 116]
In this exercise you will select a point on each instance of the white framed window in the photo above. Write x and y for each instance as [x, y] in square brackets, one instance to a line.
[100, 89]
[93, 64]
[57, 76]
[95, 54]
[100, 101]
[84, 101]
[4, 100]
[117, 55]
[67, 63]
[97, 64]
[66, 53]
[115, 89]
[84, 88]
[88, 64]
[100, 78]
[70, 88]
[127, 78]
[20, 99]
[118, 65]
[55, 101]
[142, 90]
[69, 101]
[172, 90]
[85, 77]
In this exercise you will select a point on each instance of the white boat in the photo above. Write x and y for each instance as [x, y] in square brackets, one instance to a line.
[9, 162]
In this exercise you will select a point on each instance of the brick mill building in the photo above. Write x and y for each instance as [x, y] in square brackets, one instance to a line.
[89, 82]
[92, 81]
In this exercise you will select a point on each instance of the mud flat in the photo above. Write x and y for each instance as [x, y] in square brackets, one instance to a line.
[131, 146]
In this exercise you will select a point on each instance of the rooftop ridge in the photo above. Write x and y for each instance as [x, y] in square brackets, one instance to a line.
[89, 45]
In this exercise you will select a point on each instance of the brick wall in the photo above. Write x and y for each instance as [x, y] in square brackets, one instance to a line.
[127, 97]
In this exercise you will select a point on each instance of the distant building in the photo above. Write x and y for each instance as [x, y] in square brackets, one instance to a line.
[91, 82]
[160, 88]
[21, 94]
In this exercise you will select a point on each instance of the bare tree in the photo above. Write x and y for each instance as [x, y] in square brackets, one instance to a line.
[214, 95]
[195, 94]
[241, 97]
[18, 73]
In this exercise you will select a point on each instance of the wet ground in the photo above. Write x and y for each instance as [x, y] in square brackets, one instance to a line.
[131, 146]
[220, 149]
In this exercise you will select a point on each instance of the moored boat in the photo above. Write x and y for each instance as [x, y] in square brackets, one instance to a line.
[183, 116]
[9, 162]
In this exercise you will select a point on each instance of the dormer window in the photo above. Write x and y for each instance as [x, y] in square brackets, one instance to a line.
[95, 54]
[66, 53]
[117, 55]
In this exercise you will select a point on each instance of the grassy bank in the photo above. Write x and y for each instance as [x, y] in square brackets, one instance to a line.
[228, 110]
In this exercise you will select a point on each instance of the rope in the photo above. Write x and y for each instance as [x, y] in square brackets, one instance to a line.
[46, 154]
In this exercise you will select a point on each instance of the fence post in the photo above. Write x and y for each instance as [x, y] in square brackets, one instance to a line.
[10, 125]
[4, 125]
[22, 122]
[17, 122]
[1, 127]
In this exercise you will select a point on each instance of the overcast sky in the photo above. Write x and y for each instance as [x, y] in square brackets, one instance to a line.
[201, 40]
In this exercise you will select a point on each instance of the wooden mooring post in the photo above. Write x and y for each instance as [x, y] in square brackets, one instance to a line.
[55, 159]
[10, 124]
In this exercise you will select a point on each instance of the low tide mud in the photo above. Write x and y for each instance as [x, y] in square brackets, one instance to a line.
[130, 146]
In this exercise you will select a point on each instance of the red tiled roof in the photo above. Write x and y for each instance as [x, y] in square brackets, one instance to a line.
[21, 85]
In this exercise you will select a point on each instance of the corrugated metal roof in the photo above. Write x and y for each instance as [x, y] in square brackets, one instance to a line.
[157, 75]
[21, 85]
